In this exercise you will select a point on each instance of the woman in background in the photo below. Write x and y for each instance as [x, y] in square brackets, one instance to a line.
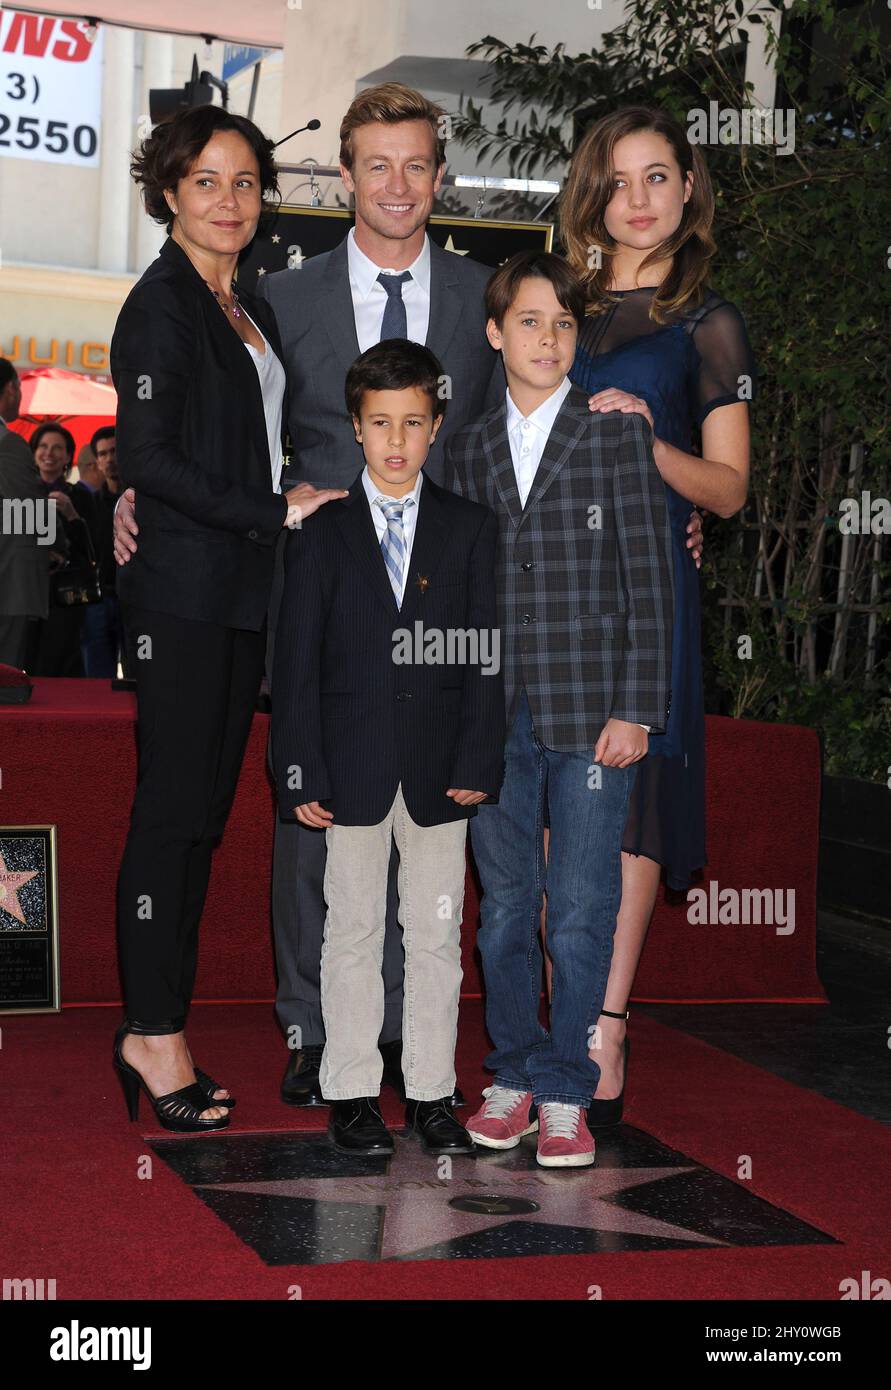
[59, 640]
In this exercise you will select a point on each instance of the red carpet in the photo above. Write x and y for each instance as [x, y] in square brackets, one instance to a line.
[762, 812]
[74, 1207]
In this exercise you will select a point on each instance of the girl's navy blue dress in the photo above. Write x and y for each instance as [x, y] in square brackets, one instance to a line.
[682, 369]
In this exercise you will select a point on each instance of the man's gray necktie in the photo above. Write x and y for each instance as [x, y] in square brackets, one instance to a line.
[394, 323]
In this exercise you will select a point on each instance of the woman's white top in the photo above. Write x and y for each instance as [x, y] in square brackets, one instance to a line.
[272, 387]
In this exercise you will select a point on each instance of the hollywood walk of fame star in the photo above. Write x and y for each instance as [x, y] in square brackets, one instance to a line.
[414, 1203]
[10, 883]
[450, 246]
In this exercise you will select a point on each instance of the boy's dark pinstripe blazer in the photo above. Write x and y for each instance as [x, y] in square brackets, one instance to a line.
[584, 571]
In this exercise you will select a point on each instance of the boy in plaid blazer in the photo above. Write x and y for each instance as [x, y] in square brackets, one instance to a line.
[585, 603]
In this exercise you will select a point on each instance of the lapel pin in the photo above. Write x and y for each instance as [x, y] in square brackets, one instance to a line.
[422, 583]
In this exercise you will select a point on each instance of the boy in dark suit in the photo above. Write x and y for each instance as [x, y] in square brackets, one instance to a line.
[585, 604]
[388, 724]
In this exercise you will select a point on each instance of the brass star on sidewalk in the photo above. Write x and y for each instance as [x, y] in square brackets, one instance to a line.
[415, 1215]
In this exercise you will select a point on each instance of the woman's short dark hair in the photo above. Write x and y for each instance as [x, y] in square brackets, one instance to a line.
[53, 427]
[502, 289]
[167, 155]
[395, 365]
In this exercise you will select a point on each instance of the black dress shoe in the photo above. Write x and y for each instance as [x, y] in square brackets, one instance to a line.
[393, 1076]
[300, 1083]
[434, 1124]
[357, 1127]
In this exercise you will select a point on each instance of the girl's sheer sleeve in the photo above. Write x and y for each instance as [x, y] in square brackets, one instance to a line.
[725, 372]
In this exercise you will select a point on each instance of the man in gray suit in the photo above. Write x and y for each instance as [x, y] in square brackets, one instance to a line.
[386, 279]
[24, 534]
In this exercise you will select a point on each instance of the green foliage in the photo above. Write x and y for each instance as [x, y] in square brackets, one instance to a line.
[803, 251]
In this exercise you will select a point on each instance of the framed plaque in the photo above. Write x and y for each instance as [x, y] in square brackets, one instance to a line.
[300, 232]
[29, 920]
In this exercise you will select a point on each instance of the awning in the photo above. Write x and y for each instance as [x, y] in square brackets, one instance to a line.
[442, 76]
[260, 23]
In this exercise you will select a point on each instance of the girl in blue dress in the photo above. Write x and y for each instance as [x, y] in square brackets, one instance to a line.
[636, 218]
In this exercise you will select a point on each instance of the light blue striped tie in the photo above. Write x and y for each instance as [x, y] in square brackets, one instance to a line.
[393, 541]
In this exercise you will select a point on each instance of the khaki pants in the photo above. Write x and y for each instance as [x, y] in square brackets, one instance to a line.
[431, 900]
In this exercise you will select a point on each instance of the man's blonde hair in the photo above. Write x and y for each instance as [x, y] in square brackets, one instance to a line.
[390, 103]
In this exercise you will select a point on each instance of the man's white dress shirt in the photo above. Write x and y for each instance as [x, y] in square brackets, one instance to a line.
[370, 297]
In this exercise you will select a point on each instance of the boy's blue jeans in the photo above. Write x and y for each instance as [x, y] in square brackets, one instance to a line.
[583, 881]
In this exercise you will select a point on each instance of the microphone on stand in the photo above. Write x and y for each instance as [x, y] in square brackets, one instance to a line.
[310, 125]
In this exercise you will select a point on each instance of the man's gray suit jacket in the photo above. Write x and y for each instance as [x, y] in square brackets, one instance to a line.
[314, 310]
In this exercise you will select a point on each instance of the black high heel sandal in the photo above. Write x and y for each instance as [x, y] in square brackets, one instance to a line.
[179, 1111]
[208, 1086]
[609, 1112]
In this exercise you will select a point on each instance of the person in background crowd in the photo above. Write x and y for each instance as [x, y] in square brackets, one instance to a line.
[24, 561]
[89, 475]
[58, 648]
[102, 637]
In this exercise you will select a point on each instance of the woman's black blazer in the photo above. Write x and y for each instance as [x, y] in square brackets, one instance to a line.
[192, 441]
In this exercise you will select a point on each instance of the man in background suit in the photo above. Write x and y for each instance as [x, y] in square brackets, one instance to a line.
[24, 553]
[386, 279]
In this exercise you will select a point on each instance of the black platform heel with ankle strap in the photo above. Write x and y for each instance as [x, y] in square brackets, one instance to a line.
[179, 1111]
[602, 1113]
[208, 1086]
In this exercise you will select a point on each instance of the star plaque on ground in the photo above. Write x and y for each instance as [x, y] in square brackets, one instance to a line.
[295, 1200]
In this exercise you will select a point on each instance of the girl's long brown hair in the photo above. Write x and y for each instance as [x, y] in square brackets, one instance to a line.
[589, 188]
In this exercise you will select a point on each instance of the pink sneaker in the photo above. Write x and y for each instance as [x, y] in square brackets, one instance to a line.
[503, 1119]
[564, 1140]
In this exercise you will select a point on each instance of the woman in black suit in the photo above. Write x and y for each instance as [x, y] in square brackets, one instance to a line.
[200, 384]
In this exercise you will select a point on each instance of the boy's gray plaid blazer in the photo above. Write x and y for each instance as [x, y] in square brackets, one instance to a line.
[584, 570]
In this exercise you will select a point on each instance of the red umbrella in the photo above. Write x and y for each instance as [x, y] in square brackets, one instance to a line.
[81, 401]
[51, 391]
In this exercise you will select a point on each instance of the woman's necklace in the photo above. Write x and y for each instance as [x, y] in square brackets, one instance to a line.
[236, 310]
